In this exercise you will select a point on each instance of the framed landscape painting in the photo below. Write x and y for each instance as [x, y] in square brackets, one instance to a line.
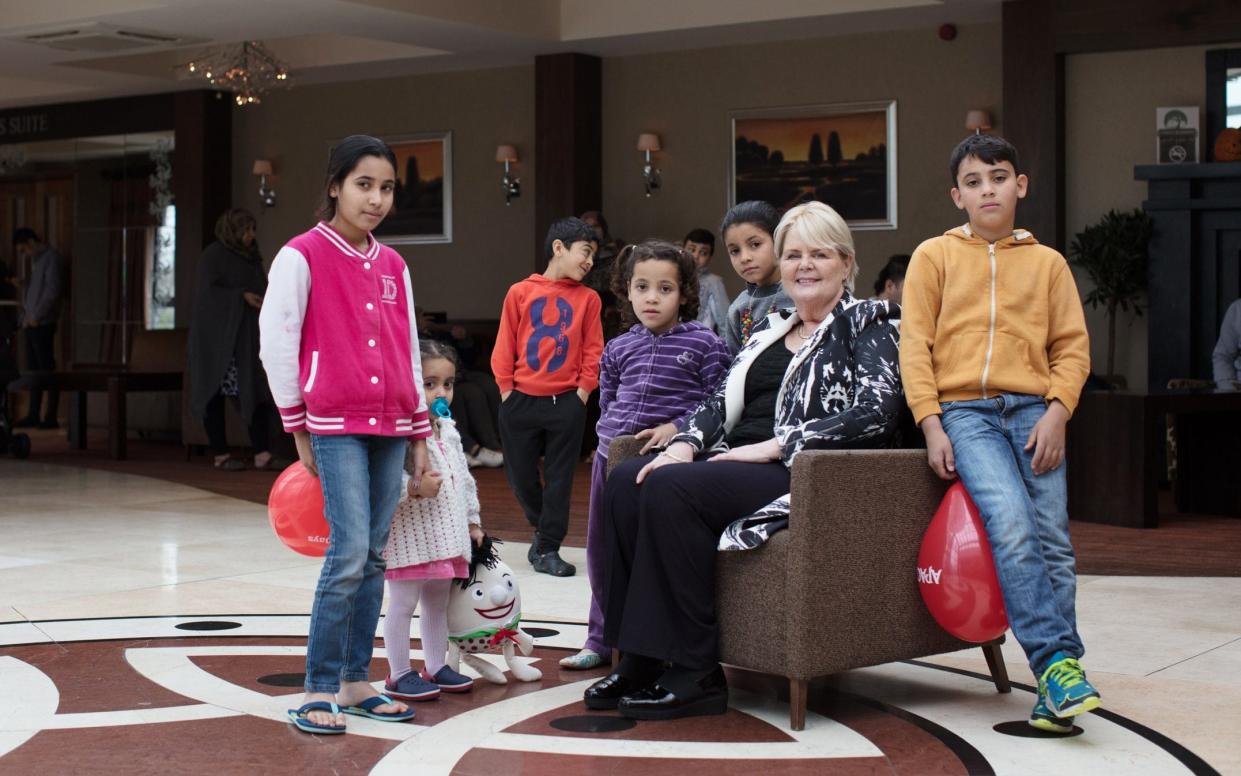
[422, 202]
[843, 155]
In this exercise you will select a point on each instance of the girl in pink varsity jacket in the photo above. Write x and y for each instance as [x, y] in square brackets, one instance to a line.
[338, 339]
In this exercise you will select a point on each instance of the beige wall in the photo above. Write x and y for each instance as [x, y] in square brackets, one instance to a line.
[491, 245]
[1110, 102]
[686, 97]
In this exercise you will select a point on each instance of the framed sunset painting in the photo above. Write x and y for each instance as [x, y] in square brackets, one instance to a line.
[422, 202]
[843, 155]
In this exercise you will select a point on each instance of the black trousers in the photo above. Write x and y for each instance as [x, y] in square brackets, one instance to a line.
[475, 407]
[259, 427]
[41, 357]
[664, 534]
[551, 427]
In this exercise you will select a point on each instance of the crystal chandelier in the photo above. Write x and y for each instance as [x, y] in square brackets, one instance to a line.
[248, 70]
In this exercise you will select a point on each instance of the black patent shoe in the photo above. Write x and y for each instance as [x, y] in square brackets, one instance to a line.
[708, 696]
[607, 692]
[551, 563]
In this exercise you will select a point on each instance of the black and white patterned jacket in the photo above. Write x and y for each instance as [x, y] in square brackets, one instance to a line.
[842, 389]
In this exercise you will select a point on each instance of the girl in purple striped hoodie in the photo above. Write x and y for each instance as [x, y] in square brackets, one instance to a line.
[651, 378]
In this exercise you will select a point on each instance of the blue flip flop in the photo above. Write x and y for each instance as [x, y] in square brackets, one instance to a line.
[365, 709]
[300, 718]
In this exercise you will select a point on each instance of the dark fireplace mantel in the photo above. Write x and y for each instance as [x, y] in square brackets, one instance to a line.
[1195, 263]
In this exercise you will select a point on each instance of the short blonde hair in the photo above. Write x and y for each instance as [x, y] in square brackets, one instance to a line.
[820, 226]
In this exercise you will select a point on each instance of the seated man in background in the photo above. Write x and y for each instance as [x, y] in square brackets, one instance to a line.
[1227, 354]
[476, 400]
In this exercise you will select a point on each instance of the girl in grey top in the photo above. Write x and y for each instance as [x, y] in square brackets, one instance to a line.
[748, 230]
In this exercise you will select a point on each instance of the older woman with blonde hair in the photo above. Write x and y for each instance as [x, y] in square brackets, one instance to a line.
[823, 375]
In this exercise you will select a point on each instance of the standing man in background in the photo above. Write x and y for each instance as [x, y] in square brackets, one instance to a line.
[40, 311]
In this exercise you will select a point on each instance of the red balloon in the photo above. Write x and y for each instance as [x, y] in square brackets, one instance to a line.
[295, 509]
[956, 573]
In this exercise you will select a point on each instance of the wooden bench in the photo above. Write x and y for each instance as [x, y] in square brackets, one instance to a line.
[117, 383]
[155, 365]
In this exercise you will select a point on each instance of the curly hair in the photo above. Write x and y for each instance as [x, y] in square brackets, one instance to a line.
[655, 250]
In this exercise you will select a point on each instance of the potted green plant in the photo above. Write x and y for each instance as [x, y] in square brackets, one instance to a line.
[1113, 253]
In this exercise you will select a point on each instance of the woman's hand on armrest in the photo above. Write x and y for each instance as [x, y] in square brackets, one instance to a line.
[677, 452]
[759, 452]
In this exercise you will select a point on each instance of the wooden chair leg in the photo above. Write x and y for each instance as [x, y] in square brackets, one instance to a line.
[995, 663]
[77, 422]
[117, 423]
[797, 703]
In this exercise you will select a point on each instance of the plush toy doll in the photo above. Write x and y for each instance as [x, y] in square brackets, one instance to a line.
[484, 611]
[1228, 146]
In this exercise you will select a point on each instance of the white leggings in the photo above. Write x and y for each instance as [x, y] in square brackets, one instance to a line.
[403, 595]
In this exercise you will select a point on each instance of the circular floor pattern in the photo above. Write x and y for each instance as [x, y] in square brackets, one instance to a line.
[1022, 729]
[142, 694]
[283, 680]
[207, 625]
[592, 723]
[541, 633]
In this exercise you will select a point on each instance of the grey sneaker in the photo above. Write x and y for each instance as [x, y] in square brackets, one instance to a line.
[492, 459]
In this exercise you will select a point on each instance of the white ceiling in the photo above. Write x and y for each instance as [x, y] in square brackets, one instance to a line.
[330, 40]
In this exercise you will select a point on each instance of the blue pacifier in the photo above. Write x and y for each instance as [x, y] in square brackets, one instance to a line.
[440, 408]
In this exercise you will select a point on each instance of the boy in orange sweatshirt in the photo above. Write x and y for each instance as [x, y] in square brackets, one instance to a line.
[994, 353]
[546, 363]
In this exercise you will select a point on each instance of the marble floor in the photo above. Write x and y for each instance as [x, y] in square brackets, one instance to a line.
[148, 627]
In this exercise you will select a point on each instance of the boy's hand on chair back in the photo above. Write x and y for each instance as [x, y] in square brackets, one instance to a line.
[938, 448]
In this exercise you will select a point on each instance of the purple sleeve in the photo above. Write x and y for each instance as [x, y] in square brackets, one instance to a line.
[716, 358]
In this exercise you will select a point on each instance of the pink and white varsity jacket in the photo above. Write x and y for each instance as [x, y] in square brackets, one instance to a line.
[339, 340]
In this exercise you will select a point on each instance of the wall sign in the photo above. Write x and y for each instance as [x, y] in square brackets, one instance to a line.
[24, 126]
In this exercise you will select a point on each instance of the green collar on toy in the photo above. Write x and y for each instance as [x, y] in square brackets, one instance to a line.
[483, 633]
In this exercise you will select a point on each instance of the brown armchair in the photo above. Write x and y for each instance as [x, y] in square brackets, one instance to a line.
[838, 589]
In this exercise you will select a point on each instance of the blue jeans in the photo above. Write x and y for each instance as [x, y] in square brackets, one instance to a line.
[361, 479]
[1026, 518]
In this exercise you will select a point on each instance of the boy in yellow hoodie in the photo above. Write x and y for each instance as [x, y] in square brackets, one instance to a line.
[994, 353]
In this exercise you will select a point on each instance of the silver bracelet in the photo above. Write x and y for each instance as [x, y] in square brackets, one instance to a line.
[665, 452]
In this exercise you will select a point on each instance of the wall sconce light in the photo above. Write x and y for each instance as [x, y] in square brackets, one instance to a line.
[510, 183]
[978, 120]
[647, 143]
[262, 168]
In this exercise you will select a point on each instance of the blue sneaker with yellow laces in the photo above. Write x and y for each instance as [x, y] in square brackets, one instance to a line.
[1065, 688]
[1042, 719]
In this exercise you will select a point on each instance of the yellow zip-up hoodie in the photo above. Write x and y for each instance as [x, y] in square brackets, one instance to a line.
[979, 319]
